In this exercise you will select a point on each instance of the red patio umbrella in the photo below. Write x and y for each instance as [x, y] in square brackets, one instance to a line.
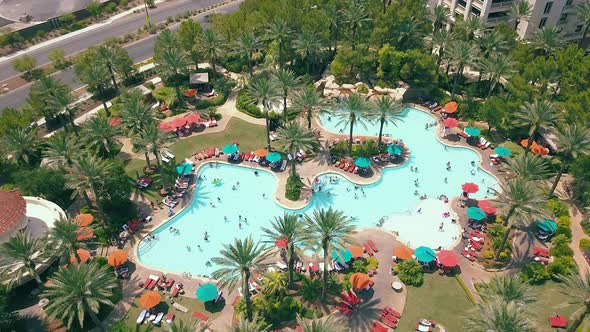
[178, 122]
[166, 127]
[193, 117]
[470, 187]
[115, 121]
[451, 122]
[448, 258]
[486, 206]
[281, 243]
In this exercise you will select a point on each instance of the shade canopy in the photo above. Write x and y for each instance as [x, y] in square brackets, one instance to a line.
[207, 292]
[273, 156]
[451, 107]
[178, 122]
[356, 251]
[281, 243]
[362, 162]
[229, 149]
[425, 254]
[117, 257]
[486, 206]
[402, 252]
[193, 117]
[503, 151]
[85, 233]
[84, 219]
[394, 149]
[476, 213]
[184, 168]
[115, 121]
[166, 127]
[447, 258]
[261, 153]
[359, 280]
[83, 255]
[451, 122]
[342, 255]
[150, 299]
[470, 187]
[190, 92]
[472, 131]
[547, 225]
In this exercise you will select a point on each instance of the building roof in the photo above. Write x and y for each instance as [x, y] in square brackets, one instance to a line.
[12, 209]
[199, 78]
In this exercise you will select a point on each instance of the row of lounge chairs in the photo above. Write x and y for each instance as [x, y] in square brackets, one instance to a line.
[347, 166]
[152, 317]
[389, 319]
[474, 244]
[208, 153]
[542, 255]
[370, 247]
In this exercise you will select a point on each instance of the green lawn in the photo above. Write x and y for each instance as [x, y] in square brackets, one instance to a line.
[551, 301]
[440, 298]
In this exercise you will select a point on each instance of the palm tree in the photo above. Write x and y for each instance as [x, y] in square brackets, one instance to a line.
[491, 42]
[275, 284]
[354, 16]
[153, 140]
[521, 200]
[238, 261]
[286, 81]
[508, 288]
[60, 100]
[212, 47]
[573, 142]
[498, 316]
[247, 45]
[386, 110]
[440, 40]
[96, 75]
[172, 63]
[538, 115]
[22, 254]
[62, 149]
[334, 18]
[352, 110]
[135, 114]
[408, 32]
[264, 91]
[473, 25]
[440, 14]
[244, 325]
[577, 288]
[520, 10]
[288, 229]
[84, 175]
[461, 54]
[308, 46]
[294, 138]
[328, 324]
[548, 40]
[497, 67]
[106, 55]
[179, 325]
[308, 100]
[99, 134]
[40, 93]
[19, 144]
[79, 290]
[64, 240]
[583, 13]
[528, 166]
[328, 230]
[279, 31]
[167, 40]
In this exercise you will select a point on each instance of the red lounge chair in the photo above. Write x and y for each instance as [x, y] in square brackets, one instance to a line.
[388, 322]
[466, 255]
[235, 301]
[437, 108]
[169, 284]
[343, 165]
[538, 251]
[299, 328]
[353, 296]
[463, 134]
[368, 249]
[356, 170]
[558, 321]
[351, 168]
[200, 316]
[175, 291]
[373, 246]
[169, 317]
[378, 327]
[390, 317]
[392, 311]
[153, 284]
[147, 282]
[347, 298]
[344, 308]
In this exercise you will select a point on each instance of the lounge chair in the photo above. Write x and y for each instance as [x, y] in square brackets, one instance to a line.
[353, 296]
[290, 157]
[218, 297]
[141, 316]
[164, 158]
[282, 266]
[153, 284]
[175, 291]
[179, 307]
[356, 170]
[169, 318]
[391, 317]
[347, 298]
[158, 319]
[151, 317]
[169, 283]
[344, 308]
[147, 281]
[392, 311]
[368, 249]
[388, 322]
[378, 327]
[168, 154]
[284, 165]
[372, 245]
[200, 316]
[538, 251]
[463, 134]
[423, 328]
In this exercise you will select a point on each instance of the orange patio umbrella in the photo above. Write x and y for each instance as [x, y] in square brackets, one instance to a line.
[402, 252]
[359, 280]
[539, 150]
[83, 254]
[261, 152]
[451, 107]
[190, 93]
[356, 251]
[117, 257]
[150, 299]
[85, 233]
[84, 219]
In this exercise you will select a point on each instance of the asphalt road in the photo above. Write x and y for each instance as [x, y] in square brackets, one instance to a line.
[139, 50]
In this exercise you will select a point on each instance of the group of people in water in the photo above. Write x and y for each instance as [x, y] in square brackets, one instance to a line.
[430, 124]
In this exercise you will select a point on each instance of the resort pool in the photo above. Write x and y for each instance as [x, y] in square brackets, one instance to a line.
[391, 197]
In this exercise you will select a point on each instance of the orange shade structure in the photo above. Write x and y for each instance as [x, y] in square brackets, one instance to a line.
[83, 255]
[451, 107]
[356, 251]
[117, 257]
[84, 219]
[360, 280]
[261, 152]
[190, 93]
[402, 252]
[85, 233]
[150, 299]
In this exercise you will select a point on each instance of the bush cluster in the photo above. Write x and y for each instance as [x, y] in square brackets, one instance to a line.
[293, 188]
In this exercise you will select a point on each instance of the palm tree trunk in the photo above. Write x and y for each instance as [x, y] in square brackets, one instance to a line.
[104, 102]
[503, 243]
[86, 198]
[267, 129]
[325, 272]
[98, 205]
[583, 40]
[213, 61]
[178, 95]
[579, 319]
[71, 118]
[516, 23]
[380, 132]
[247, 295]
[147, 158]
[494, 82]
[250, 63]
[94, 318]
[293, 165]
[291, 264]
[530, 142]
[285, 107]
[309, 118]
[113, 77]
[558, 177]
[350, 140]
[35, 275]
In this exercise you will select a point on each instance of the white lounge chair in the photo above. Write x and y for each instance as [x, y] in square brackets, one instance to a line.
[281, 265]
[158, 319]
[179, 307]
[168, 154]
[141, 316]
[164, 158]
[284, 165]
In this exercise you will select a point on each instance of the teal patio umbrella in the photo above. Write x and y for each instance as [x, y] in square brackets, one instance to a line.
[472, 131]
[184, 168]
[229, 149]
[476, 213]
[394, 149]
[273, 156]
[362, 162]
[342, 255]
[207, 292]
[503, 151]
[425, 254]
[547, 225]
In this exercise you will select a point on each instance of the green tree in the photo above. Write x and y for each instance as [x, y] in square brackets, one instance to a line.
[577, 288]
[100, 135]
[294, 138]
[60, 100]
[492, 42]
[135, 113]
[179, 325]
[308, 46]
[410, 272]
[528, 166]
[64, 240]
[460, 54]
[541, 114]
[21, 255]
[247, 44]
[352, 110]
[279, 31]
[548, 40]
[15, 119]
[286, 81]
[40, 94]
[333, 15]
[44, 182]
[96, 76]
[62, 149]
[106, 55]
[238, 260]
[24, 64]
[497, 67]
[328, 230]
[94, 8]
[80, 290]
[441, 40]
[212, 47]
[520, 10]
[440, 14]
[264, 91]
[275, 284]
[154, 140]
[508, 288]
[20, 144]
[354, 17]
[188, 35]
[573, 142]
[310, 101]
[386, 110]
[244, 325]
[58, 57]
[172, 63]
[499, 316]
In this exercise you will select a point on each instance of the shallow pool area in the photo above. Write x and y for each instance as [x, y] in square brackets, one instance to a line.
[242, 195]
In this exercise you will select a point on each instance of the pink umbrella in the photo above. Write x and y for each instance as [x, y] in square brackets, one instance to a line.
[448, 258]
[166, 127]
[451, 122]
[470, 187]
[178, 122]
[192, 118]
[486, 206]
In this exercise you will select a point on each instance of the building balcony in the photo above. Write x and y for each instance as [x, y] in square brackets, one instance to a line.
[501, 5]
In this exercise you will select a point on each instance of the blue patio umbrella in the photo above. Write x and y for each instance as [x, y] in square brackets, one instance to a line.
[425, 254]
[362, 162]
[342, 255]
[184, 168]
[476, 213]
[229, 148]
[207, 292]
[394, 149]
[273, 156]
[503, 151]
[547, 225]
[472, 131]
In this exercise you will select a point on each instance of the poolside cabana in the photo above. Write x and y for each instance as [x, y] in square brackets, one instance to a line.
[546, 228]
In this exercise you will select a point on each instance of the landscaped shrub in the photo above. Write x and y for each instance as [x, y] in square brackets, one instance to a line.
[245, 105]
[557, 207]
[362, 89]
[561, 250]
[584, 244]
[373, 262]
[211, 102]
[561, 266]
[535, 273]
[46, 183]
[410, 272]
[488, 254]
[166, 95]
[293, 188]
[360, 265]
[310, 289]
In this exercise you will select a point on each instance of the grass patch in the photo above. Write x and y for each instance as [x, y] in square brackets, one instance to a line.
[440, 298]
[551, 301]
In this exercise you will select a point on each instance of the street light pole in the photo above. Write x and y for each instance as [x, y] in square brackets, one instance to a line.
[147, 14]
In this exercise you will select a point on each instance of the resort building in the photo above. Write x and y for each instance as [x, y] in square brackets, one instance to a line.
[545, 13]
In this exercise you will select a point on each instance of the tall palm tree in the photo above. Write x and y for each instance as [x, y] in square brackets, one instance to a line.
[473, 25]
[497, 67]
[212, 47]
[408, 32]
[352, 110]
[508, 288]
[79, 290]
[96, 75]
[61, 100]
[172, 63]
[280, 31]
[106, 54]
[333, 15]
[99, 134]
[573, 142]
[238, 260]
[328, 230]
[62, 149]
[528, 166]
[541, 114]
[439, 14]
[461, 54]
[289, 229]
[309, 100]
[167, 40]
[195, 325]
[308, 46]
[248, 43]
[520, 10]
[135, 113]
[440, 39]
[154, 140]
[577, 288]
[40, 93]
[264, 91]
[19, 144]
[294, 138]
[548, 40]
[275, 284]
[491, 42]
[583, 13]
[286, 81]
[327, 324]
[64, 240]
[498, 316]
[354, 17]
[521, 200]
[22, 254]
[387, 110]
[84, 175]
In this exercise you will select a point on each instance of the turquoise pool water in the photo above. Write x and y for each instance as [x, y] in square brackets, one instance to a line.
[391, 197]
